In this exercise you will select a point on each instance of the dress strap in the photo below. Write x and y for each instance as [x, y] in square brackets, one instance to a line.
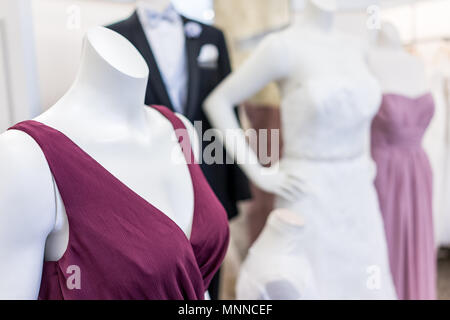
[80, 179]
[65, 159]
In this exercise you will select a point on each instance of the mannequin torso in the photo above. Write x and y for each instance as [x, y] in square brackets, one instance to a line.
[334, 64]
[309, 49]
[103, 114]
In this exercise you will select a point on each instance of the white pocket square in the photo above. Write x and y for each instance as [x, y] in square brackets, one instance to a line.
[208, 57]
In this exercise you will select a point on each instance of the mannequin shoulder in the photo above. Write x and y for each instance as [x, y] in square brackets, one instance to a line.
[20, 154]
[274, 49]
[416, 63]
[26, 183]
[276, 42]
[22, 163]
[156, 116]
[187, 123]
[193, 135]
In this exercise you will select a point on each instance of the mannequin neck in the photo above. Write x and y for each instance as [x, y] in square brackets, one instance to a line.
[107, 86]
[314, 17]
[155, 5]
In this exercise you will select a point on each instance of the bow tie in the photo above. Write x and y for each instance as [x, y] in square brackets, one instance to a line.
[154, 18]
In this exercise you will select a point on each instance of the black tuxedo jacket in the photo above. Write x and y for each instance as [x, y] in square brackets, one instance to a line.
[227, 180]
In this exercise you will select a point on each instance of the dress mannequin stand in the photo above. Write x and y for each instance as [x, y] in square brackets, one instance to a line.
[326, 175]
[103, 113]
[404, 176]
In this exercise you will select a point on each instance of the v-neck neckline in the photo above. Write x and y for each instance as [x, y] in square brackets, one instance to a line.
[130, 191]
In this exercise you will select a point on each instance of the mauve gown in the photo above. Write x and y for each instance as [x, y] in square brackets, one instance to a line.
[404, 186]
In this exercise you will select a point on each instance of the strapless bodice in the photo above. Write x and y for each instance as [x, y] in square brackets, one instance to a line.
[402, 121]
[329, 118]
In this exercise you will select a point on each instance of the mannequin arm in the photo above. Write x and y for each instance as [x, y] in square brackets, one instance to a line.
[27, 215]
[269, 62]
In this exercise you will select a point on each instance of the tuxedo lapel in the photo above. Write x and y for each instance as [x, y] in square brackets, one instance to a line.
[192, 52]
[156, 83]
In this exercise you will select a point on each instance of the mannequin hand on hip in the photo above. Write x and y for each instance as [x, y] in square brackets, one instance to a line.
[280, 182]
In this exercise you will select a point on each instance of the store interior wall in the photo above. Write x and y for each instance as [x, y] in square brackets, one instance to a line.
[59, 27]
[54, 29]
[19, 95]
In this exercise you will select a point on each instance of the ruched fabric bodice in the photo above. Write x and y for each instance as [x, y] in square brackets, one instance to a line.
[402, 121]
[329, 118]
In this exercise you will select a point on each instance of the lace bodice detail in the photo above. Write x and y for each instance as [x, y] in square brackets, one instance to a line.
[329, 118]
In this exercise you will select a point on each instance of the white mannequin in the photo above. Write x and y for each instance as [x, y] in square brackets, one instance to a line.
[397, 71]
[315, 22]
[103, 113]
[328, 99]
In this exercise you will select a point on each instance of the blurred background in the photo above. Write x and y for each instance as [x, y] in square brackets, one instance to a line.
[40, 46]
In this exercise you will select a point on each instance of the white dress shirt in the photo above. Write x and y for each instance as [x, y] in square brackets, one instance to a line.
[165, 34]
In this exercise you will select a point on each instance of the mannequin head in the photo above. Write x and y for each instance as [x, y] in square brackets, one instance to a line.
[158, 5]
[388, 36]
[112, 74]
[113, 48]
[323, 5]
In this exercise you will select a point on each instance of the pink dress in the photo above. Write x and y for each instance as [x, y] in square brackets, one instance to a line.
[404, 186]
[123, 246]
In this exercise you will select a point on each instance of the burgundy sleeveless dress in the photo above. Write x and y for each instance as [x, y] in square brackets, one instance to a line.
[404, 186]
[122, 246]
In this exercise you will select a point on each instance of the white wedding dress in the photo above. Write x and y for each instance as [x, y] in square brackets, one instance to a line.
[341, 251]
